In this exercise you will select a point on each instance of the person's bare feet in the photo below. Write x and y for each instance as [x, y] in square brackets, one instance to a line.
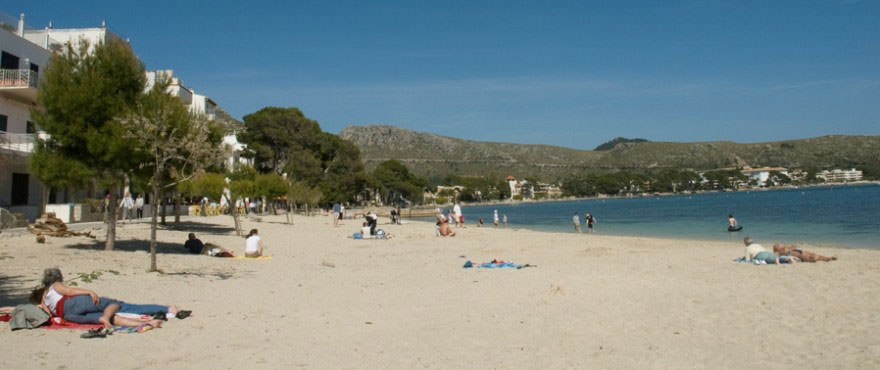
[106, 322]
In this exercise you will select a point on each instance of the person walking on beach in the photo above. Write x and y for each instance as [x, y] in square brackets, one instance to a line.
[495, 217]
[127, 206]
[504, 219]
[576, 220]
[590, 221]
[139, 205]
[459, 217]
[335, 214]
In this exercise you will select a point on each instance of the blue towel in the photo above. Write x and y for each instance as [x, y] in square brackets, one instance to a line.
[490, 265]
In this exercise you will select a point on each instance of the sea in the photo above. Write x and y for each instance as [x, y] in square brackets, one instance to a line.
[841, 216]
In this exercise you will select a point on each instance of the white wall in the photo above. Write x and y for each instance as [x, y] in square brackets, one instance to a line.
[17, 114]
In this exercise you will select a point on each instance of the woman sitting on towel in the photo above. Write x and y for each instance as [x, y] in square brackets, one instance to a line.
[253, 245]
[86, 307]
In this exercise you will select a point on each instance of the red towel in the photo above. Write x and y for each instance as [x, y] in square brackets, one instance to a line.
[5, 317]
[59, 323]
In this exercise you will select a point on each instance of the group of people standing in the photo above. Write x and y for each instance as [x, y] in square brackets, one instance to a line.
[132, 208]
[589, 220]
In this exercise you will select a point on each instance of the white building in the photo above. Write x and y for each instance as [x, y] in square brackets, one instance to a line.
[761, 175]
[21, 63]
[838, 175]
[203, 105]
[25, 53]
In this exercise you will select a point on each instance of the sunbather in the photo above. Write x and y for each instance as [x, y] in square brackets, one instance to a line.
[443, 227]
[86, 307]
[804, 256]
[756, 252]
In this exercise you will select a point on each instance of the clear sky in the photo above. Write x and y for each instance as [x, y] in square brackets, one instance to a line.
[562, 73]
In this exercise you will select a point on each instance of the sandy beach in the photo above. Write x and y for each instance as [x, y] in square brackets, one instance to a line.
[326, 301]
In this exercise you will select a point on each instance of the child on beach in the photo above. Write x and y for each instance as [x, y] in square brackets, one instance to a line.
[253, 244]
[576, 220]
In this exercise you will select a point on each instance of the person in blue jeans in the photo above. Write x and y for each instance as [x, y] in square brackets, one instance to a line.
[84, 306]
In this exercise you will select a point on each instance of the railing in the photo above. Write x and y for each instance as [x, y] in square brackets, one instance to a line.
[17, 142]
[18, 78]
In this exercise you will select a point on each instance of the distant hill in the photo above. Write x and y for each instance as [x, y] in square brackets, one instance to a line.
[433, 155]
[618, 140]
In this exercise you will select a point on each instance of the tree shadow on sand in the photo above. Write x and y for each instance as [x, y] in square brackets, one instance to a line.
[133, 245]
[198, 227]
[14, 290]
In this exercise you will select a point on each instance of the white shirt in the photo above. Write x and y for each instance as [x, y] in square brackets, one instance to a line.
[576, 220]
[51, 300]
[456, 210]
[139, 202]
[252, 244]
[753, 249]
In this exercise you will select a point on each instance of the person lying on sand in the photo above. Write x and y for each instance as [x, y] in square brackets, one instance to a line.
[804, 256]
[195, 246]
[86, 307]
[756, 252]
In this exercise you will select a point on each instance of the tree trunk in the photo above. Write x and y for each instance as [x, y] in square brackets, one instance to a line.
[176, 208]
[233, 208]
[153, 226]
[44, 197]
[289, 208]
[111, 222]
[162, 204]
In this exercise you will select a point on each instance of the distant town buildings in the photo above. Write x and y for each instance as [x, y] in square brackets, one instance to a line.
[760, 176]
[840, 175]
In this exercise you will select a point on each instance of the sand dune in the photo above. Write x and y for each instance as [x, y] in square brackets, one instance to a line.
[326, 301]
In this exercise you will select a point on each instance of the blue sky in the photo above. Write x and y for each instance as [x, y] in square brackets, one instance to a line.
[563, 73]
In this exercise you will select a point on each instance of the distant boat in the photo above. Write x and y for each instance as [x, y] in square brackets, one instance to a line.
[734, 228]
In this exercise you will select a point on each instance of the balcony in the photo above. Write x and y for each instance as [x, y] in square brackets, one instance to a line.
[19, 84]
[21, 143]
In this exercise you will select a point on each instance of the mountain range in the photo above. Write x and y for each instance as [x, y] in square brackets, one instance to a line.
[436, 156]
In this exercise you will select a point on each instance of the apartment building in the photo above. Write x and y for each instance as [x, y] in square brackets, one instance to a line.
[25, 53]
[21, 62]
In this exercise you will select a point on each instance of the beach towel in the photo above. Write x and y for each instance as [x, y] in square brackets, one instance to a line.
[782, 260]
[59, 323]
[5, 317]
[496, 264]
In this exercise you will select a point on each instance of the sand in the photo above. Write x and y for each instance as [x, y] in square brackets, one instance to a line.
[326, 301]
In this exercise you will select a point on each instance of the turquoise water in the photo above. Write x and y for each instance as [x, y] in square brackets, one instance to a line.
[837, 216]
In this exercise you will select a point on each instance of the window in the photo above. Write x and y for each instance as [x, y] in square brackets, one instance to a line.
[3, 119]
[19, 189]
[31, 128]
[8, 61]
[35, 68]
